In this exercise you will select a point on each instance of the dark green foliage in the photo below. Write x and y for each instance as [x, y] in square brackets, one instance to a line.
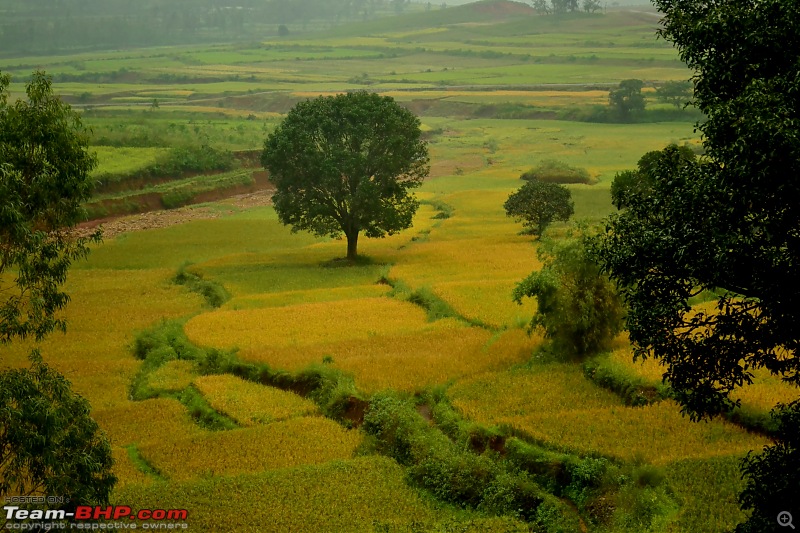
[345, 164]
[444, 468]
[202, 413]
[578, 307]
[677, 93]
[772, 480]
[44, 179]
[213, 292]
[433, 305]
[627, 101]
[639, 182]
[328, 387]
[729, 223]
[192, 158]
[536, 204]
[48, 442]
[554, 171]
[590, 6]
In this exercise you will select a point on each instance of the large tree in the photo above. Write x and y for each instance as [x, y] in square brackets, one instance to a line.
[730, 222]
[49, 445]
[345, 164]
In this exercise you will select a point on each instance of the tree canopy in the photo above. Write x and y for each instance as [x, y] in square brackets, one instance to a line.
[639, 182]
[345, 164]
[48, 442]
[728, 223]
[537, 203]
[627, 101]
[44, 179]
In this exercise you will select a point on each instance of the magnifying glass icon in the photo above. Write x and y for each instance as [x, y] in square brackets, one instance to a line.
[785, 519]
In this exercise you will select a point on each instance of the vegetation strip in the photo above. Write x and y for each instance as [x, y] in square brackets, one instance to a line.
[142, 464]
[495, 470]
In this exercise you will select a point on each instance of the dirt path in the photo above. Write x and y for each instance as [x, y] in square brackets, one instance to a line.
[113, 226]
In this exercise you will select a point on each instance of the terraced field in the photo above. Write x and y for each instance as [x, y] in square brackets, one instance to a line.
[260, 403]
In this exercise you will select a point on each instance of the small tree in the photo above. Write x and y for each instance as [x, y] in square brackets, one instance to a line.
[536, 204]
[345, 164]
[578, 307]
[48, 442]
[541, 7]
[627, 100]
[590, 6]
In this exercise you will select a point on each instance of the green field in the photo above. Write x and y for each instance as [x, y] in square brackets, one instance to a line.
[497, 92]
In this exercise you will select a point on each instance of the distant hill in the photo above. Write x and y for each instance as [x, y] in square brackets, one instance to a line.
[485, 11]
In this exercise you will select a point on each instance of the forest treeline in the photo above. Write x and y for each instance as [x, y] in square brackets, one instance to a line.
[28, 26]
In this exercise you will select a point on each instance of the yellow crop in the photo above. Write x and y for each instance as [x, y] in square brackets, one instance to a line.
[766, 391]
[440, 351]
[415, 361]
[356, 495]
[298, 441]
[650, 369]
[498, 258]
[554, 403]
[284, 298]
[174, 375]
[127, 473]
[251, 404]
[146, 421]
[656, 433]
[487, 301]
[305, 324]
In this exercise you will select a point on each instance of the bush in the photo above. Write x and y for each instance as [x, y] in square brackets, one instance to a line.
[213, 292]
[578, 307]
[554, 171]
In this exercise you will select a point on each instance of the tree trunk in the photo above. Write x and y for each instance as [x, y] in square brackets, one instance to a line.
[352, 245]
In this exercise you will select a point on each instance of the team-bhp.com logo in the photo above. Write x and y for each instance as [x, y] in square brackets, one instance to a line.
[94, 517]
